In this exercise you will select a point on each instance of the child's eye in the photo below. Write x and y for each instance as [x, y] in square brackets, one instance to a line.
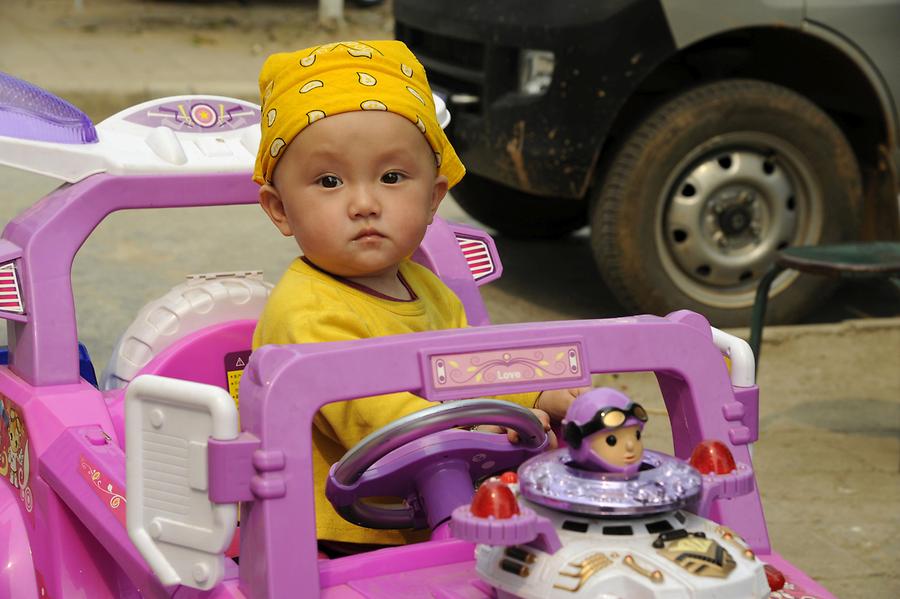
[637, 434]
[329, 181]
[391, 178]
[611, 440]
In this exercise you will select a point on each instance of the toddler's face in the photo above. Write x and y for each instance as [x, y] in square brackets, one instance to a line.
[357, 191]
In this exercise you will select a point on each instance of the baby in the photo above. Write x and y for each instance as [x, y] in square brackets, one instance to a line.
[353, 164]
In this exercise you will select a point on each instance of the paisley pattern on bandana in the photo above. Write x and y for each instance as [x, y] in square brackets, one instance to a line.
[299, 88]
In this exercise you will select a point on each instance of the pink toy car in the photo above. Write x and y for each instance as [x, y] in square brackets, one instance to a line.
[164, 426]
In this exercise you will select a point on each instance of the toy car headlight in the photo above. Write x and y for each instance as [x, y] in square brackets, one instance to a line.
[535, 71]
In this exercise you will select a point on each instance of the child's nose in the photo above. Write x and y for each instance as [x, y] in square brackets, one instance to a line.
[364, 203]
[629, 444]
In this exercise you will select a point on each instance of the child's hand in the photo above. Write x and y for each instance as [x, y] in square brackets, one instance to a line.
[513, 436]
[557, 401]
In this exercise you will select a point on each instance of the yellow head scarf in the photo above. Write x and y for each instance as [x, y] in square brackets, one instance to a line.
[299, 88]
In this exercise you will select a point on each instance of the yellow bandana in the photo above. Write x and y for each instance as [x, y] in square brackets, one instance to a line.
[299, 88]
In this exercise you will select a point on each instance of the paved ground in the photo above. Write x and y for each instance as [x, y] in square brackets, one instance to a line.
[828, 459]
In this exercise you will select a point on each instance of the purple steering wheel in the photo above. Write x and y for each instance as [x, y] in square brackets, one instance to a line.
[419, 459]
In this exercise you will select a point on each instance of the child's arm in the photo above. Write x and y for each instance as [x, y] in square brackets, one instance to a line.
[550, 406]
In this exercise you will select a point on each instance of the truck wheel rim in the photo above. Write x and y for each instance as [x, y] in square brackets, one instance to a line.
[728, 207]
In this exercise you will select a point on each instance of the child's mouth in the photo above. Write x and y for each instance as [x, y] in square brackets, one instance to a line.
[368, 235]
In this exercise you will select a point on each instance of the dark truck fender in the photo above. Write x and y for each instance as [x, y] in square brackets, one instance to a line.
[546, 144]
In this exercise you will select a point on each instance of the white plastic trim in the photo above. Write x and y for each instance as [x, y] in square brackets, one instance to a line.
[128, 148]
[743, 364]
[170, 518]
[202, 301]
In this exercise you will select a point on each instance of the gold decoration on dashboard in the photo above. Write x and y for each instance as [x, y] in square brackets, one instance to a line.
[584, 569]
[654, 575]
[699, 556]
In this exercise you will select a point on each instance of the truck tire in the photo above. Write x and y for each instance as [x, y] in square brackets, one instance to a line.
[703, 193]
[518, 214]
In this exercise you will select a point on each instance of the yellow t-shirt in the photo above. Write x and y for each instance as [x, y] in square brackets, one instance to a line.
[309, 305]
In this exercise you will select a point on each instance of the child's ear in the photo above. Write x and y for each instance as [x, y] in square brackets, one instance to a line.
[438, 192]
[271, 203]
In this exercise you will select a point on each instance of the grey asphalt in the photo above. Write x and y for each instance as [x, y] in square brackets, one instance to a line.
[828, 458]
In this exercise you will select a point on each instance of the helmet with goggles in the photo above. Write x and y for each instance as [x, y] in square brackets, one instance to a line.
[602, 410]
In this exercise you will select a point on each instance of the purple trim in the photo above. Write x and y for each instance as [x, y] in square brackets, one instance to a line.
[748, 415]
[51, 232]
[524, 528]
[367, 290]
[439, 252]
[231, 468]
[9, 251]
[725, 486]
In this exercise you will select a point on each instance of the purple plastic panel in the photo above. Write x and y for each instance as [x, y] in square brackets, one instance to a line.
[231, 468]
[61, 467]
[440, 253]
[284, 386]
[725, 486]
[29, 112]
[50, 234]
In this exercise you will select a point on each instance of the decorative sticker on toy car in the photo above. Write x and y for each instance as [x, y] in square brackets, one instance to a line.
[197, 114]
[14, 459]
[104, 488]
[476, 369]
[478, 256]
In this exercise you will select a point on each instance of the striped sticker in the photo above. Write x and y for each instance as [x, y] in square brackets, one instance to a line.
[10, 296]
[477, 255]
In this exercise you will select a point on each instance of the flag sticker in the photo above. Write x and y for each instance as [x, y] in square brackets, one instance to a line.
[10, 296]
